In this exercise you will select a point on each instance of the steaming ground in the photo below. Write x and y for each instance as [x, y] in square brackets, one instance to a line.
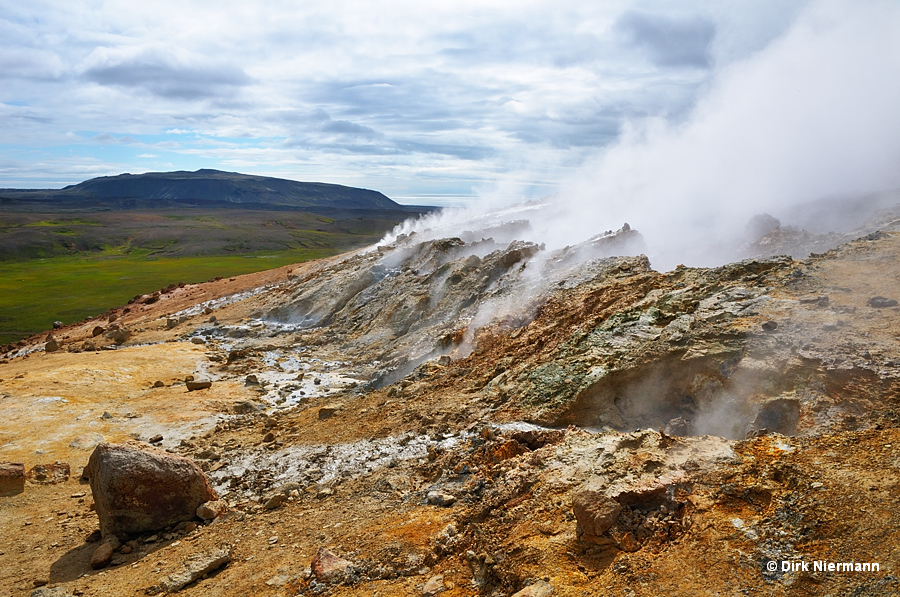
[806, 130]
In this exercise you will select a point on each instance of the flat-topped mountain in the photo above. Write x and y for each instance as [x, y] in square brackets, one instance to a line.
[202, 188]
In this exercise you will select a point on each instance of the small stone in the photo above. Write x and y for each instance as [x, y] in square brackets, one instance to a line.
[12, 478]
[46, 474]
[269, 437]
[251, 380]
[629, 543]
[881, 302]
[54, 592]
[274, 502]
[126, 549]
[440, 498]
[595, 512]
[97, 331]
[158, 384]
[51, 346]
[328, 411]
[101, 556]
[434, 585]
[196, 566]
[156, 439]
[198, 385]
[328, 567]
[198, 340]
[212, 509]
[40, 582]
[770, 326]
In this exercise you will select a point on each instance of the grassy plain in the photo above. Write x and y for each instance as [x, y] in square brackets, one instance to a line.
[69, 266]
[37, 292]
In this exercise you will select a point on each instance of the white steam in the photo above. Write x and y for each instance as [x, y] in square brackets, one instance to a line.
[812, 115]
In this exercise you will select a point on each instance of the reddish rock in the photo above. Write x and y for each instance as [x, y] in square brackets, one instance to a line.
[137, 488]
[211, 510]
[595, 512]
[197, 385]
[328, 567]
[46, 474]
[12, 478]
[102, 556]
[539, 589]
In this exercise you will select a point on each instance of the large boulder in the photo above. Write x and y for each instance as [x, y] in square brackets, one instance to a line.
[137, 488]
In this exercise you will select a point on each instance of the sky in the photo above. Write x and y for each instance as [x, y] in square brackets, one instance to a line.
[439, 105]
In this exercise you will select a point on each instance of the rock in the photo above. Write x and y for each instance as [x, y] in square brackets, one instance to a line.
[251, 380]
[195, 567]
[198, 385]
[158, 384]
[629, 543]
[197, 340]
[595, 513]
[439, 498]
[47, 474]
[97, 331]
[54, 592]
[769, 326]
[269, 437]
[539, 589]
[820, 300]
[328, 411]
[274, 502]
[155, 439]
[678, 426]
[212, 509]
[881, 302]
[137, 488]
[51, 346]
[781, 415]
[434, 585]
[87, 441]
[118, 335]
[328, 567]
[102, 556]
[12, 478]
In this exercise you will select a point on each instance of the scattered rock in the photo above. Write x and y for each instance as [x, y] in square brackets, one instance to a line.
[434, 585]
[818, 300]
[328, 411]
[539, 589]
[118, 335]
[198, 385]
[97, 331]
[251, 380]
[12, 478]
[87, 441]
[46, 474]
[196, 566]
[155, 439]
[51, 592]
[328, 567]
[439, 498]
[102, 556]
[269, 437]
[197, 340]
[881, 302]
[274, 502]
[136, 488]
[212, 509]
[629, 543]
[51, 346]
[770, 326]
[158, 384]
[595, 513]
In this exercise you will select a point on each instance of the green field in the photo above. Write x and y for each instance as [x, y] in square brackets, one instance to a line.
[37, 292]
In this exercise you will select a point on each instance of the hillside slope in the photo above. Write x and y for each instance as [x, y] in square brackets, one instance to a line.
[453, 417]
[202, 188]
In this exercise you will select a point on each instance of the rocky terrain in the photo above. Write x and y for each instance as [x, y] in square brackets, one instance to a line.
[470, 416]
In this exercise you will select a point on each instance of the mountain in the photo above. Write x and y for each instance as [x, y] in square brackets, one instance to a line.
[203, 188]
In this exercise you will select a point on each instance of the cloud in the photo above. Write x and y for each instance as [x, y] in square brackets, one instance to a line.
[164, 74]
[670, 41]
